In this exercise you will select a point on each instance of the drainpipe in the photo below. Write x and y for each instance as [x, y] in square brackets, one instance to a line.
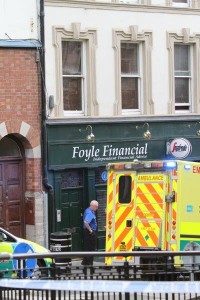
[48, 187]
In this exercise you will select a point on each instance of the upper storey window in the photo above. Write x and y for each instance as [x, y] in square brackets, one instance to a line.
[75, 50]
[73, 76]
[182, 78]
[130, 77]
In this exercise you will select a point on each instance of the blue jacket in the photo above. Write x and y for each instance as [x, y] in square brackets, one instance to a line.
[90, 217]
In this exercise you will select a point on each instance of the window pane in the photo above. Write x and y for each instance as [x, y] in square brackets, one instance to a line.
[125, 189]
[130, 93]
[181, 58]
[181, 90]
[71, 178]
[71, 58]
[8, 147]
[129, 58]
[180, 1]
[184, 107]
[72, 93]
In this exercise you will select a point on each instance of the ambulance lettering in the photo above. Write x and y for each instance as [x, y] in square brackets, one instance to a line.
[196, 169]
[150, 177]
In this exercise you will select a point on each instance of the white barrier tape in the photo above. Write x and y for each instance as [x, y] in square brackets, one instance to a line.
[183, 287]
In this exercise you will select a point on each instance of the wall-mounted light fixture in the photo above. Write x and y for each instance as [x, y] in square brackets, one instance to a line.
[197, 124]
[90, 136]
[198, 131]
[147, 133]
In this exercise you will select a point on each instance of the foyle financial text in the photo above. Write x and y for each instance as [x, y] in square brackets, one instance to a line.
[108, 151]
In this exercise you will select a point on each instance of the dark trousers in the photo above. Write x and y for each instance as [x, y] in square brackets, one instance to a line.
[89, 241]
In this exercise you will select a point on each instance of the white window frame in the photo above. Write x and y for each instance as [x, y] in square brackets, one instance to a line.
[129, 1]
[89, 38]
[193, 40]
[144, 40]
[140, 81]
[190, 77]
[83, 84]
[181, 4]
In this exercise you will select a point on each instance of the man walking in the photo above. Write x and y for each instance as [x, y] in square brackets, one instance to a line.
[89, 231]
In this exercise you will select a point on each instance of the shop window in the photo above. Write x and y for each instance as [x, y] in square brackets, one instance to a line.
[125, 189]
[8, 147]
[71, 178]
[101, 213]
[101, 196]
[130, 77]
[182, 78]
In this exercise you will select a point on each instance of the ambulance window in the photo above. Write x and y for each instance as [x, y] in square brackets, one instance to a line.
[125, 189]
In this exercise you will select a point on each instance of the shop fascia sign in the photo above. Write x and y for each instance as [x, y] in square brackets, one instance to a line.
[110, 152]
[179, 148]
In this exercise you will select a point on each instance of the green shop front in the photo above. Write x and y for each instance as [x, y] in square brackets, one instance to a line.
[78, 152]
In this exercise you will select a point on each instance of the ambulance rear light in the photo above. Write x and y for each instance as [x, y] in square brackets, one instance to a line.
[170, 164]
[174, 223]
[119, 167]
[109, 236]
[173, 236]
[110, 222]
[157, 165]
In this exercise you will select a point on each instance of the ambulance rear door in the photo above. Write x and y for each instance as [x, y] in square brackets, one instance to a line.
[123, 211]
[150, 212]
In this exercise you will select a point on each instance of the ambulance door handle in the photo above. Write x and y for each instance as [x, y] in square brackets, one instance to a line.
[128, 223]
[170, 198]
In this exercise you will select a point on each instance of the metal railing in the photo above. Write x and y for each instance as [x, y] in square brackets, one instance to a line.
[154, 275]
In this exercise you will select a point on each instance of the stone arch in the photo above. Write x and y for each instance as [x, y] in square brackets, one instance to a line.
[26, 134]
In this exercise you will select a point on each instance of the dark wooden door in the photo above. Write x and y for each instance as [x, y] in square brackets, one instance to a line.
[11, 197]
[71, 215]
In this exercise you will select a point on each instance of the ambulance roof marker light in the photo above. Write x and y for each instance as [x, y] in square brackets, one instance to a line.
[170, 164]
[147, 165]
[128, 166]
[187, 167]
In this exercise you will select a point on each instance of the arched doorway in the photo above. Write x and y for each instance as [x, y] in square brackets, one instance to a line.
[11, 186]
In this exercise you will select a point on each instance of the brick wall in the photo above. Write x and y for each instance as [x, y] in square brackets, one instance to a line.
[20, 100]
[20, 114]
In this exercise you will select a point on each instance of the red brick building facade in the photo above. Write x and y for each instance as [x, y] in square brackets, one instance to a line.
[21, 195]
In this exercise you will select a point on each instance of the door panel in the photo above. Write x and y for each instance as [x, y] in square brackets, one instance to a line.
[101, 195]
[11, 197]
[150, 212]
[2, 211]
[71, 215]
[1, 172]
[124, 195]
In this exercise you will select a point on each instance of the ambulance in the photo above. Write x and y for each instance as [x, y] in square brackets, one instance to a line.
[152, 205]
